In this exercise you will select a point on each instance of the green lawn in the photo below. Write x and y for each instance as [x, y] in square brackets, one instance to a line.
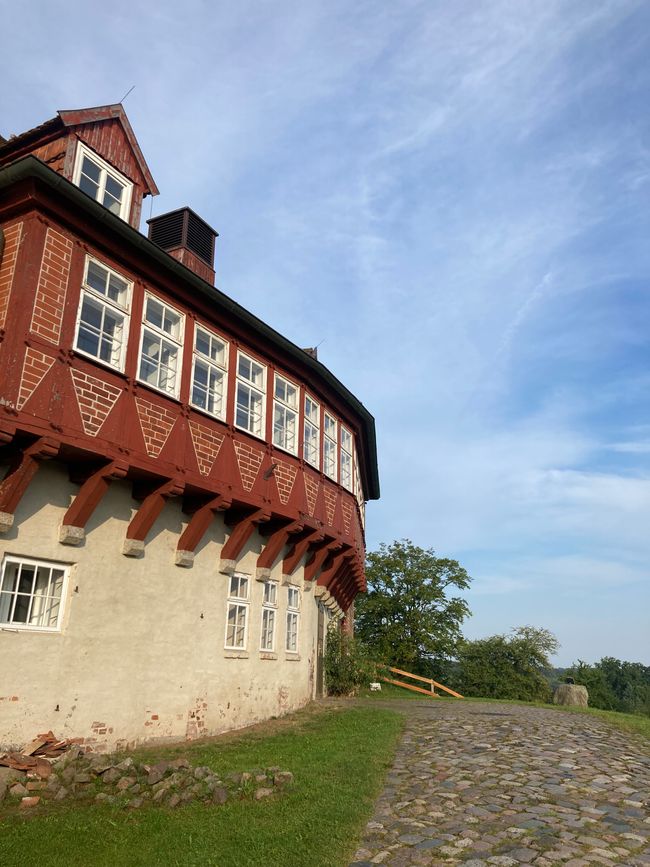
[338, 757]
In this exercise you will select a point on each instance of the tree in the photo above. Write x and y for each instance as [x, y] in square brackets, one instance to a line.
[615, 685]
[407, 619]
[508, 666]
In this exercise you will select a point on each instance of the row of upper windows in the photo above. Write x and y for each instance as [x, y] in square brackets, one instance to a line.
[102, 333]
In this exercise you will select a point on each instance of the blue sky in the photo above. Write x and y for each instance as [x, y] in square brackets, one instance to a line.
[452, 200]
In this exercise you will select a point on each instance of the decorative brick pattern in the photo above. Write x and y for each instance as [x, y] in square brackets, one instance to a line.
[207, 445]
[346, 508]
[52, 286]
[96, 399]
[331, 496]
[312, 487]
[156, 423]
[13, 234]
[249, 460]
[35, 366]
[285, 476]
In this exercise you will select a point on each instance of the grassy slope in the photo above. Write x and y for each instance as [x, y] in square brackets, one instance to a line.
[338, 757]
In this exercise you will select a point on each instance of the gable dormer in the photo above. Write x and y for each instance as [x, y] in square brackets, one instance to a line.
[96, 149]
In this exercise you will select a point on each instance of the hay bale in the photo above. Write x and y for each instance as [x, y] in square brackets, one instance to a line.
[571, 694]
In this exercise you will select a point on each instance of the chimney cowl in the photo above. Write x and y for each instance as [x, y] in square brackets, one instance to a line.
[186, 237]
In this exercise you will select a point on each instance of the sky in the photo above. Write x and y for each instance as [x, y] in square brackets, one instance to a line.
[452, 201]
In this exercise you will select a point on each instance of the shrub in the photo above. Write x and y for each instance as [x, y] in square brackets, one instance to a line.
[347, 665]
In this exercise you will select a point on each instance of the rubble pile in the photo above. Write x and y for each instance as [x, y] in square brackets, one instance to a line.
[29, 779]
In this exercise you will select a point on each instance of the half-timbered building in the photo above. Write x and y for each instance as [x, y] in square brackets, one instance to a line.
[183, 489]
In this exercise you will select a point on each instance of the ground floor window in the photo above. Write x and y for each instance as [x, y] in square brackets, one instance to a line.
[31, 593]
[237, 612]
[293, 615]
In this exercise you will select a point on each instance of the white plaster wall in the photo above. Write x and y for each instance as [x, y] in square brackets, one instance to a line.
[140, 655]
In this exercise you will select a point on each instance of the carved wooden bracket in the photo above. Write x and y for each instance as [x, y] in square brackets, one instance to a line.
[197, 528]
[299, 548]
[318, 558]
[94, 485]
[152, 505]
[22, 470]
[275, 543]
[243, 524]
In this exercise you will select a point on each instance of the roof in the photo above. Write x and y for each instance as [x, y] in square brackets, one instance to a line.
[77, 117]
[31, 167]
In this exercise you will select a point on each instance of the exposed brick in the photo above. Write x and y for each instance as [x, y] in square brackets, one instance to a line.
[207, 444]
[346, 508]
[13, 235]
[331, 496]
[285, 476]
[52, 286]
[35, 366]
[249, 461]
[312, 486]
[155, 435]
[96, 399]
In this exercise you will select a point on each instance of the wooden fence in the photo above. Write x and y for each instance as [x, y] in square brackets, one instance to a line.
[433, 684]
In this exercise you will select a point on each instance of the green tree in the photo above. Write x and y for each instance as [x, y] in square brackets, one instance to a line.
[508, 666]
[407, 619]
[615, 685]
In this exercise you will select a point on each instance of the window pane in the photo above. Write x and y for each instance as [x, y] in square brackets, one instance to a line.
[114, 188]
[96, 277]
[154, 313]
[91, 170]
[10, 578]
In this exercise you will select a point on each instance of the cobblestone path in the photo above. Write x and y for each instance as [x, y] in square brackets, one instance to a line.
[496, 784]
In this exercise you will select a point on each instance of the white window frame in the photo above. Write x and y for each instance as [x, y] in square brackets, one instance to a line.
[330, 443]
[107, 304]
[358, 489]
[105, 171]
[164, 337]
[287, 412]
[269, 611]
[345, 459]
[292, 635]
[199, 357]
[311, 431]
[47, 564]
[249, 386]
[240, 602]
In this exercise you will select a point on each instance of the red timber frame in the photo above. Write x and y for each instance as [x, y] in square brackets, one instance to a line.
[108, 428]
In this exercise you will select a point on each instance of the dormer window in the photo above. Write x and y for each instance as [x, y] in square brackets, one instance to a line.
[102, 182]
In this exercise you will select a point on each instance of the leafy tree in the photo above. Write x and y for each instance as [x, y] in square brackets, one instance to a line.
[508, 666]
[407, 619]
[347, 666]
[615, 685]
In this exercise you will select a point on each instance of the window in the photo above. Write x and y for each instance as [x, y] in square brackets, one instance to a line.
[311, 450]
[293, 608]
[237, 616]
[346, 459]
[31, 594]
[269, 605]
[160, 353]
[285, 415]
[329, 447]
[102, 182]
[209, 373]
[251, 389]
[358, 489]
[103, 320]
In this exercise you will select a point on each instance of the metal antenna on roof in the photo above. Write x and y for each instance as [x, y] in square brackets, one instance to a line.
[127, 93]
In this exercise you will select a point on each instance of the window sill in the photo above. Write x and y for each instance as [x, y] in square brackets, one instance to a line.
[292, 657]
[106, 365]
[206, 413]
[250, 433]
[235, 654]
[268, 654]
[161, 391]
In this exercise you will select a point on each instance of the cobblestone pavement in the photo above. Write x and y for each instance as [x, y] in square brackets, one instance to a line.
[495, 784]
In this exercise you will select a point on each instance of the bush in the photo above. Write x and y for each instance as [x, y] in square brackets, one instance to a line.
[347, 666]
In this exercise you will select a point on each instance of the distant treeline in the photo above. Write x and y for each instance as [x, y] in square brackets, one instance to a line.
[611, 683]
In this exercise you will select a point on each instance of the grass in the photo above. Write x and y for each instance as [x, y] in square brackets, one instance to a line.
[338, 757]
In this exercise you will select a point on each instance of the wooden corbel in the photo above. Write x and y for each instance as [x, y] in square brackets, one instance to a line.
[152, 505]
[198, 527]
[94, 484]
[338, 565]
[22, 470]
[275, 543]
[299, 548]
[243, 524]
[318, 558]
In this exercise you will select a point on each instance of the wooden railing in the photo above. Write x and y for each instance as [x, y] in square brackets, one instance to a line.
[433, 684]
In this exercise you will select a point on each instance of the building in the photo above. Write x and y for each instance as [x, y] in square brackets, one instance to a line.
[182, 504]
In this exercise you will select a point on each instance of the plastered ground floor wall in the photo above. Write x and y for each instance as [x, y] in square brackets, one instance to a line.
[140, 653]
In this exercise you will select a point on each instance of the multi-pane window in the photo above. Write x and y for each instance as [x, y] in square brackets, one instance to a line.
[251, 389]
[160, 354]
[285, 415]
[103, 321]
[209, 368]
[293, 614]
[269, 605]
[358, 488]
[311, 434]
[237, 613]
[31, 593]
[102, 182]
[346, 459]
[329, 447]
